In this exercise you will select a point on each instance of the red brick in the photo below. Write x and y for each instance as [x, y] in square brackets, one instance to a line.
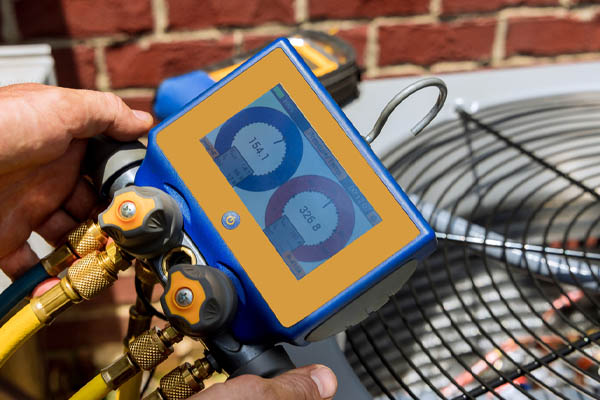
[75, 67]
[76, 333]
[253, 42]
[72, 334]
[82, 18]
[133, 66]
[351, 9]
[140, 103]
[357, 38]
[470, 6]
[184, 14]
[551, 36]
[428, 44]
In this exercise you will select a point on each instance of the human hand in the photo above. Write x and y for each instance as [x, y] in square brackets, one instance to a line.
[43, 132]
[314, 382]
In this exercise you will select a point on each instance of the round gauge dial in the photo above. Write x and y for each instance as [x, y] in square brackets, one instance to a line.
[320, 211]
[269, 142]
[314, 216]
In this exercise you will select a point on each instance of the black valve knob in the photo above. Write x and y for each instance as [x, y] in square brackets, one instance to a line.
[198, 300]
[144, 221]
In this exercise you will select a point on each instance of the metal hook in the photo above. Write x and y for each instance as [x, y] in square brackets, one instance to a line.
[403, 95]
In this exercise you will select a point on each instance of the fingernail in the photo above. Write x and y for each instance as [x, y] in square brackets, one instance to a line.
[325, 381]
[143, 115]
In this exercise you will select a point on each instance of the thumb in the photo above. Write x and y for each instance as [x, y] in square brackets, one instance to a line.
[314, 382]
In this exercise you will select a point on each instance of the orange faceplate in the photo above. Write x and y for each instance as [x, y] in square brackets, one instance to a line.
[290, 299]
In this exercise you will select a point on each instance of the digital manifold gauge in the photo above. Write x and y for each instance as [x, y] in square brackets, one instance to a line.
[280, 193]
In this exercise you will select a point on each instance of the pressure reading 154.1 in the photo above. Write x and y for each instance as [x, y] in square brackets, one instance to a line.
[261, 146]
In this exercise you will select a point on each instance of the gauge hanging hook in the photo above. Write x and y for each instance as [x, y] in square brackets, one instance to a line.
[403, 95]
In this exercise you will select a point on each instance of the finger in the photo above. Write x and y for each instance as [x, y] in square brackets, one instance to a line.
[314, 382]
[56, 227]
[40, 121]
[16, 263]
[82, 201]
[103, 112]
[44, 287]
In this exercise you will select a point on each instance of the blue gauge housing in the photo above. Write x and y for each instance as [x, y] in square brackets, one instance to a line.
[279, 191]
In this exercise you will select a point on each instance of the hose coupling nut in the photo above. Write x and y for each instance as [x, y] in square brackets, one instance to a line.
[96, 271]
[81, 241]
[47, 306]
[170, 335]
[119, 372]
[153, 347]
[145, 352]
[144, 273]
[57, 261]
[116, 262]
[183, 381]
[86, 238]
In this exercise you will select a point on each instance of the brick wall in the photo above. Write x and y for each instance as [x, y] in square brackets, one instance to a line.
[130, 46]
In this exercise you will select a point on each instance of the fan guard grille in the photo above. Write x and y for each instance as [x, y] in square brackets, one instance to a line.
[474, 321]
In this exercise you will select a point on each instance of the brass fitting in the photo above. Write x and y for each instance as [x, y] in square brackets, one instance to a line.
[139, 316]
[183, 381]
[47, 306]
[83, 240]
[55, 262]
[145, 353]
[93, 273]
[119, 372]
[86, 238]
[144, 273]
[156, 395]
[96, 271]
[153, 347]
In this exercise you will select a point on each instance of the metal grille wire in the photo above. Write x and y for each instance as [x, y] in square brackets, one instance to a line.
[480, 319]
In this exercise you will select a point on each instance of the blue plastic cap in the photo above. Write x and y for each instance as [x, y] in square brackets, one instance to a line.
[174, 93]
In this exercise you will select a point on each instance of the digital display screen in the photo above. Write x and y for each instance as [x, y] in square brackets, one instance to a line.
[296, 190]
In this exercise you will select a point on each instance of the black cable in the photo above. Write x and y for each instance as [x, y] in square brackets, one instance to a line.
[147, 383]
[147, 303]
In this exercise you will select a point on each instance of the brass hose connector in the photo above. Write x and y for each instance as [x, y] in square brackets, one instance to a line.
[145, 352]
[183, 381]
[83, 240]
[47, 306]
[96, 271]
[86, 238]
[145, 274]
[57, 261]
[93, 273]
[139, 316]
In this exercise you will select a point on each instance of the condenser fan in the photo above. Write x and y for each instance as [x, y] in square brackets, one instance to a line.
[508, 305]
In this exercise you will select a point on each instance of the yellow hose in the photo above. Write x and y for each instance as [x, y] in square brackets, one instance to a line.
[130, 390]
[96, 389]
[16, 331]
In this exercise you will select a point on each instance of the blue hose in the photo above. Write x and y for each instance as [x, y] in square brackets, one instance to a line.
[21, 288]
